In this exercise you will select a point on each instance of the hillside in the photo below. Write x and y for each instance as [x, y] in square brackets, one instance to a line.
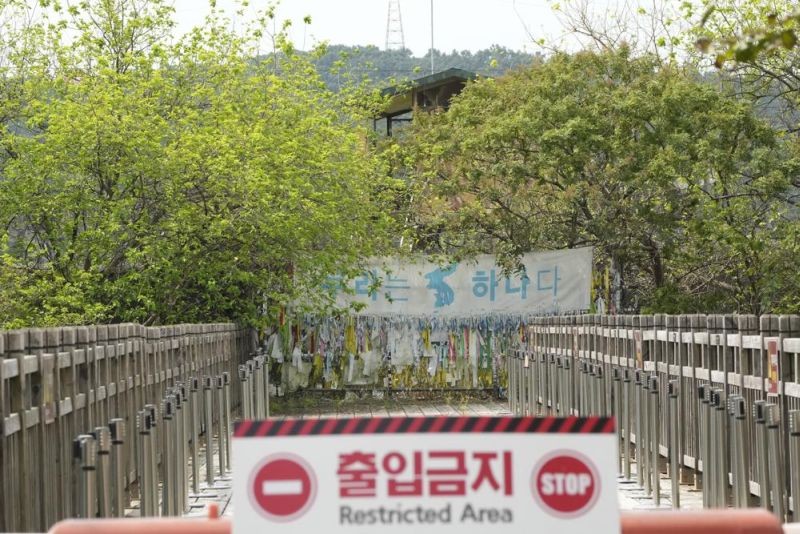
[340, 64]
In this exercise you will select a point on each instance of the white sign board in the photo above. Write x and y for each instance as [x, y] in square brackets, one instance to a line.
[553, 282]
[426, 475]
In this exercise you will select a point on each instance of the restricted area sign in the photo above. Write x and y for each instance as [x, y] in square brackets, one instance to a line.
[426, 474]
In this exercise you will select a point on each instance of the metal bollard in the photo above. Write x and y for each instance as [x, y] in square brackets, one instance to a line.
[734, 444]
[543, 387]
[143, 463]
[153, 438]
[560, 404]
[246, 415]
[207, 392]
[534, 374]
[760, 416]
[600, 401]
[519, 391]
[590, 388]
[181, 505]
[168, 456]
[626, 422]
[775, 459]
[529, 376]
[570, 392]
[551, 380]
[655, 432]
[709, 459]
[194, 432]
[221, 430]
[640, 455]
[616, 376]
[102, 437]
[265, 370]
[645, 436]
[721, 474]
[117, 428]
[794, 462]
[227, 425]
[674, 449]
[704, 437]
[739, 462]
[511, 396]
[85, 457]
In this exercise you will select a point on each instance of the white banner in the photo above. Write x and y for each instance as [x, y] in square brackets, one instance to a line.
[553, 282]
[458, 475]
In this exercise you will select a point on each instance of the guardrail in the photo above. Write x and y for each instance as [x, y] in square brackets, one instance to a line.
[708, 522]
[712, 400]
[88, 413]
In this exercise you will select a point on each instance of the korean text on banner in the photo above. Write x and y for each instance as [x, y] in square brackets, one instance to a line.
[464, 475]
[552, 282]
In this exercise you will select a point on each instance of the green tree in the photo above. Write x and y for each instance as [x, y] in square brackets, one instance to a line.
[751, 42]
[158, 182]
[683, 191]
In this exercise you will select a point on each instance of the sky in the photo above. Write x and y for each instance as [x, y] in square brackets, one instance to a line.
[458, 24]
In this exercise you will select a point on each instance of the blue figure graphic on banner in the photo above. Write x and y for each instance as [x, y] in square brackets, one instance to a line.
[444, 293]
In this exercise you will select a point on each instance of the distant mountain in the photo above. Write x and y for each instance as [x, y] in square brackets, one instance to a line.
[342, 64]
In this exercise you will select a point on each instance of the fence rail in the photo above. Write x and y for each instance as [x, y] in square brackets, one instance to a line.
[69, 395]
[712, 400]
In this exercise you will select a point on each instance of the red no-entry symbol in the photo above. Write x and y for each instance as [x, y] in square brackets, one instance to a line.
[283, 488]
[565, 484]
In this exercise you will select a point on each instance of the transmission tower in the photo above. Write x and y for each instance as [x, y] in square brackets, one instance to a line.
[394, 27]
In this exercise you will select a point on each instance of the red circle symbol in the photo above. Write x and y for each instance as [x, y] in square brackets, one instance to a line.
[565, 484]
[283, 488]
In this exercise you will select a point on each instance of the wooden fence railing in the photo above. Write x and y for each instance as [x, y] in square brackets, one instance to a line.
[57, 383]
[717, 397]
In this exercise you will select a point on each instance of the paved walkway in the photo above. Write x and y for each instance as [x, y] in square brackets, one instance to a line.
[631, 495]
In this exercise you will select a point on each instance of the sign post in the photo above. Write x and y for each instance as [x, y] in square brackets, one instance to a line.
[426, 474]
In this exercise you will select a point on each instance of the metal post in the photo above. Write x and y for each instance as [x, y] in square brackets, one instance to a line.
[739, 461]
[616, 377]
[704, 437]
[194, 432]
[207, 392]
[743, 445]
[655, 431]
[775, 459]
[247, 397]
[708, 430]
[167, 457]
[227, 425]
[510, 364]
[117, 428]
[640, 455]
[85, 455]
[625, 422]
[103, 439]
[733, 434]
[674, 449]
[719, 466]
[143, 461]
[760, 416]
[221, 430]
[603, 407]
[266, 385]
[534, 365]
[559, 400]
[181, 505]
[646, 457]
[794, 462]
[566, 372]
[520, 383]
[152, 437]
